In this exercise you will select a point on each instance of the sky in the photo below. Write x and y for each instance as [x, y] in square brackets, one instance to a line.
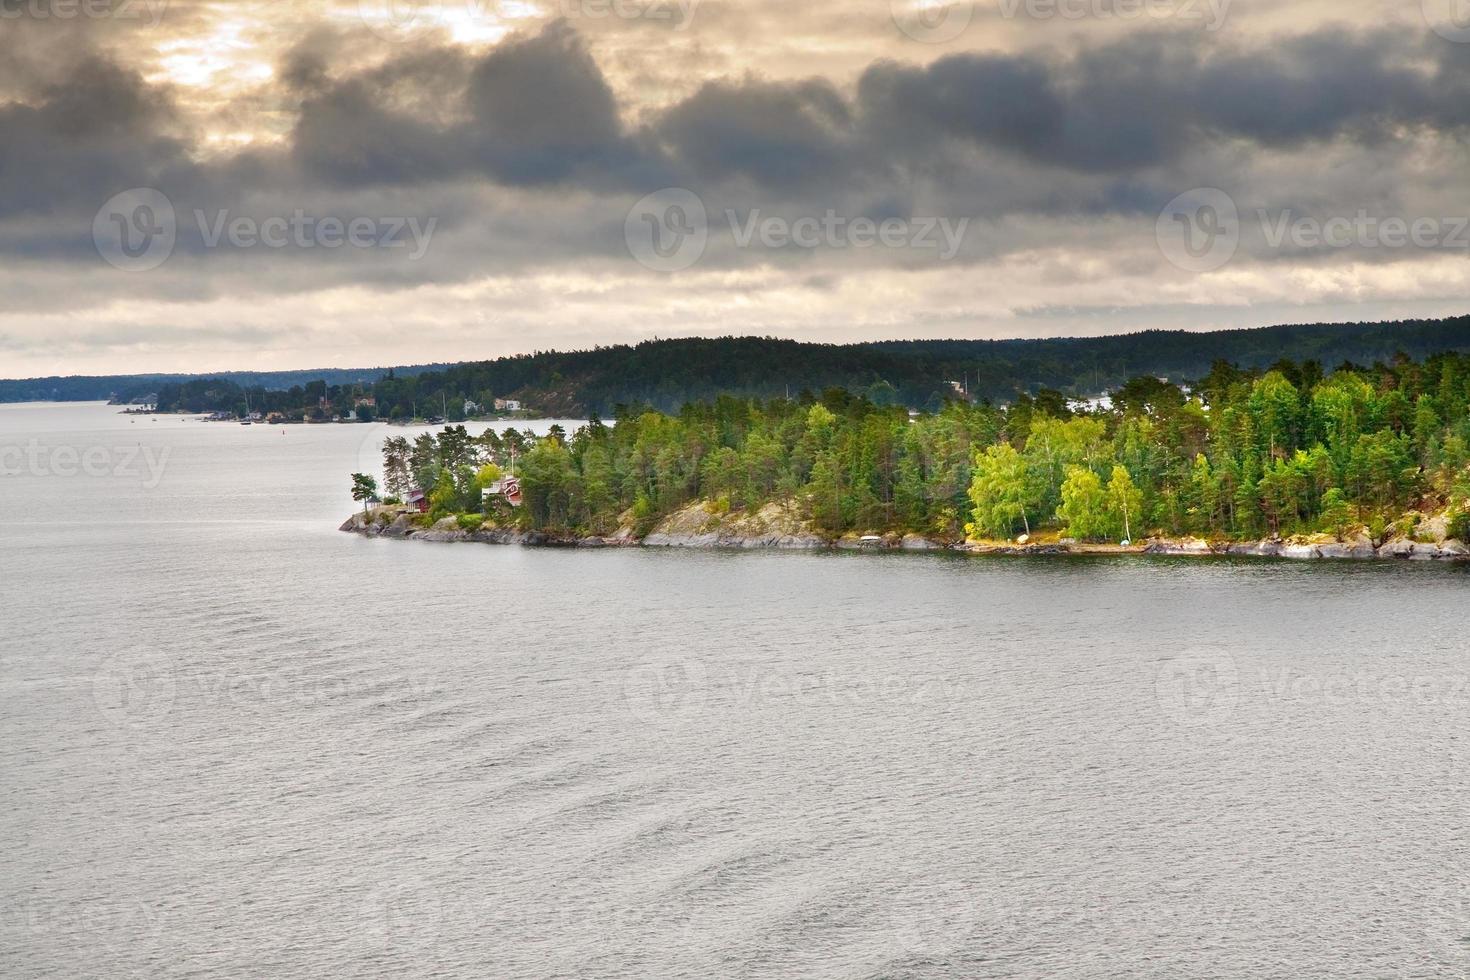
[198, 185]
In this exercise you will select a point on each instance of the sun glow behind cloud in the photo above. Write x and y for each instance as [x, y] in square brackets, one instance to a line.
[220, 57]
[218, 54]
[467, 22]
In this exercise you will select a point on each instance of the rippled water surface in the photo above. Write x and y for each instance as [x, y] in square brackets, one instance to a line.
[240, 743]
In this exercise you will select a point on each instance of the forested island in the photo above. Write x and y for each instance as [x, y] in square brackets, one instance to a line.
[1357, 461]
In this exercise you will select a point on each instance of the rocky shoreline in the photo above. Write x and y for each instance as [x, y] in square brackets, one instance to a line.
[775, 526]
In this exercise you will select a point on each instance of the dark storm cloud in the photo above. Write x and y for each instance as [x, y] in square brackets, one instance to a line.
[1147, 100]
[98, 125]
[307, 66]
[1098, 131]
[534, 110]
[780, 136]
[350, 133]
[537, 110]
[542, 109]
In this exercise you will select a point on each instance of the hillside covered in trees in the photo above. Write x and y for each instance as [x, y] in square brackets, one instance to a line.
[1240, 454]
[130, 388]
[665, 374]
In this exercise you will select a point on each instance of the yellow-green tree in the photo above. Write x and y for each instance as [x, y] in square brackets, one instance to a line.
[444, 499]
[1124, 501]
[1084, 509]
[1000, 491]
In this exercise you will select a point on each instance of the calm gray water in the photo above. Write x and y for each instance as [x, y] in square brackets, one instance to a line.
[240, 743]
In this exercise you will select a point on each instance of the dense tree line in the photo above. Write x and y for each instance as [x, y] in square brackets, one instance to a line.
[664, 374]
[315, 399]
[128, 388]
[1094, 364]
[1239, 453]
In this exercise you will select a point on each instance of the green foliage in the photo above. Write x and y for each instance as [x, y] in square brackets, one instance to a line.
[1084, 508]
[548, 484]
[1125, 502]
[1337, 513]
[469, 522]
[1054, 445]
[1239, 453]
[1001, 492]
[397, 476]
[1036, 375]
[1203, 497]
[445, 497]
[644, 514]
[364, 488]
[1458, 526]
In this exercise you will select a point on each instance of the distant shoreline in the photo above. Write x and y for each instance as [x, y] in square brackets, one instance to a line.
[670, 372]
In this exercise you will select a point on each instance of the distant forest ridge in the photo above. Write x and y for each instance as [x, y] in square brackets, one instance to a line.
[125, 387]
[668, 373]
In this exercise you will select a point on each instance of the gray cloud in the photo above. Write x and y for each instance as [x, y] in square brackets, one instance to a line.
[542, 109]
[534, 110]
[781, 137]
[529, 152]
[1145, 100]
[99, 125]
